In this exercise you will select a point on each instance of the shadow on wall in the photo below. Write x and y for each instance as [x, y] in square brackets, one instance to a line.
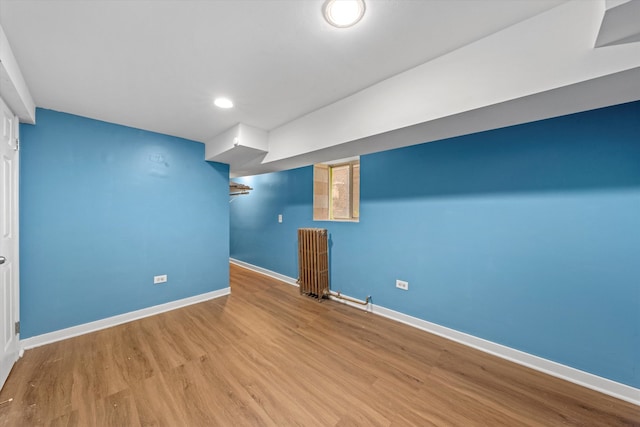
[565, 153]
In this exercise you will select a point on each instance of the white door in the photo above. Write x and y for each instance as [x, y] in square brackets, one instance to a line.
[8, 240]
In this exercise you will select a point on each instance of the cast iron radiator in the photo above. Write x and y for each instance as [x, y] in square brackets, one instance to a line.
[313, 262]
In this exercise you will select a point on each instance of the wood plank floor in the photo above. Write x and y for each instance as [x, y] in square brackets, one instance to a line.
[265, 356]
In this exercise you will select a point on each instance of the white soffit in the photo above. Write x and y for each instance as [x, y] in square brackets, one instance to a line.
[547, 52]
[237, 146]
[620, 24]
[604, 91]
[13, 88]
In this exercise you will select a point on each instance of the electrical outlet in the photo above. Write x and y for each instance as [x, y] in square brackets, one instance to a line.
[401, 284]
[280, 218]
[159, 279]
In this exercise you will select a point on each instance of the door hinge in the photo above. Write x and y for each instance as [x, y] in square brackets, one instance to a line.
[17, 327]
[17, 144]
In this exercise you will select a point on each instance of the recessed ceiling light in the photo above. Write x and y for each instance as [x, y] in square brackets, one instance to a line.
[343, 13]
[223, 103]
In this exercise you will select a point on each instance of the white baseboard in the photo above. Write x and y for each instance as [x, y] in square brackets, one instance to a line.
[576, 376]
[286, 279]
[86, 328]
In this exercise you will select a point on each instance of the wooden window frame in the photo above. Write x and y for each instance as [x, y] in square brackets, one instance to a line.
[322, 192]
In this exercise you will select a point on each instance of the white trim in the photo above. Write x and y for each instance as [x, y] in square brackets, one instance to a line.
[558, 370]
[286, 279]
[14, 89]
[86, 328]
[339, 161]
[576, 376]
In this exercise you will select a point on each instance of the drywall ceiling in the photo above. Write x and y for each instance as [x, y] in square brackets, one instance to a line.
[157, 65]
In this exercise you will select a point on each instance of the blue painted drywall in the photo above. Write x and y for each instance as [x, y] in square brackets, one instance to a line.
[104, 208]
[528, 236]
[258, 238]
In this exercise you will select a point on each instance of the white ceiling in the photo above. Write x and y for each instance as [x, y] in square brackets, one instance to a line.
[157, 65]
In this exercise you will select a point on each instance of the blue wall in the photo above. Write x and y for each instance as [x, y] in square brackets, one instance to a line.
[104, 208]
[528, 236]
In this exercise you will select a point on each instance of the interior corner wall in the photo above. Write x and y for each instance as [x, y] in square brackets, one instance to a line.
[527, 236]
[103, 209]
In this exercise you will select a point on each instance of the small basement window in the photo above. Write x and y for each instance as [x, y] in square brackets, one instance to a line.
[336, 190]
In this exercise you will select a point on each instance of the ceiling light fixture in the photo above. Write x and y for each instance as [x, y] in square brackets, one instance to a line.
[223, 103]
[343, 13]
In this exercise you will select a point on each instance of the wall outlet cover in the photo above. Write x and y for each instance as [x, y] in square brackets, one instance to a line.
[401, 284]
